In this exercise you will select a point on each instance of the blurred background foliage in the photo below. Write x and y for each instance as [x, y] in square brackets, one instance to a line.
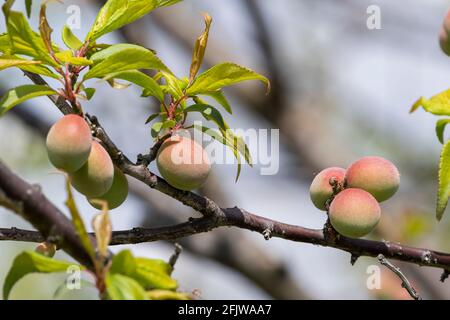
[339, 91]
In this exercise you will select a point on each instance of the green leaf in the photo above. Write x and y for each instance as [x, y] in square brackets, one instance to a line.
[11, 61]
[152, 278]
[109, 51]
[40, 69]
[20, 94]
[157, 265]
[103, 230]
[25, 41]
[221, 99]
[123, 263]
[28, 65]
[209, 113]
[117, 13]
[444, 181]
[78, 223]
[231, 142]
[199, 49]
[168, 124]
[44, 28]
[222, 75]
[5, 44]
[149, 273]
[240, 145]
[152, 117]
[124, 58]
[7, 7]
[229, 139]
[151, 87]
[173, 85]
[120, 287]
[156, 128]
[89, 92]
[28, 4]
[67, 57]
[438, 104]
[70, 40]
[31, 262]
[117, 85]
[167, 295]
[440, 127]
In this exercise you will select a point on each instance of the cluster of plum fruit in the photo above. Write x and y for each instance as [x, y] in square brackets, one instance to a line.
[352, 196]
[72, 149]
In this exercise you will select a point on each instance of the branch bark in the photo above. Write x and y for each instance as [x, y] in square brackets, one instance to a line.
[235, 217]
[29, 202]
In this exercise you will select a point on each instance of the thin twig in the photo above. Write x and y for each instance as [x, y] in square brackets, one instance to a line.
[405, 282]
[174, 258]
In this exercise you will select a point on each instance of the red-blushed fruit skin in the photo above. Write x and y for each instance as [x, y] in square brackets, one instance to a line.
[354, 213]
[321, 190]
[183, 163]
[95, 177]
[69, 143]
[444, 41]
[116, 195]
[444, 32]
[376, 175]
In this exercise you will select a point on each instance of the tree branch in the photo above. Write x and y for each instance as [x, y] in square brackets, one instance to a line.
[29, 202]
[59, 101]
[235, 217]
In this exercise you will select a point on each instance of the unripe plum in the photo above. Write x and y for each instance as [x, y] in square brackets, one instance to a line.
[321, 190]
[95, 177]
[116, 195]
[354, 212]
[69, 143]
[444, 39]
[183, 163]
[376, 175]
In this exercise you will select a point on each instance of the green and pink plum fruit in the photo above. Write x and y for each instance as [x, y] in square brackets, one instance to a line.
[69, 143]
[354, 213]
[375, 175]
[95, 177]
[116, 195]
[444, 39]
[321, 190]
[183, 163]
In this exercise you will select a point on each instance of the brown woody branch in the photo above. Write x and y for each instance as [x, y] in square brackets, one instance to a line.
[30, 203]
[235, 217]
